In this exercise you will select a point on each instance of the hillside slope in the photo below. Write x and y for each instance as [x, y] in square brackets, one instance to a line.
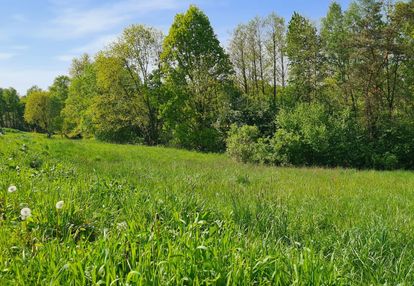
[145, 215]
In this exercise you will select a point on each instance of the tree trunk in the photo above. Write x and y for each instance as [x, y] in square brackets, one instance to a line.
[283, 69]
[274, 70]
[246, 88]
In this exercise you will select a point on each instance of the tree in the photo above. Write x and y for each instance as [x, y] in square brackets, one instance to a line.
[303, 50]
[399, 57]
[197, 72]
[60, 91]
[257, 53]
[33, 89]
[239, 57]
[11, 109]
[367, 26]
[41, 110]
[403, 22]
[77, 113]
[276, 46]
[127, 105]
[116, 107]
[2, 109]
[60, 88]
[337, 49]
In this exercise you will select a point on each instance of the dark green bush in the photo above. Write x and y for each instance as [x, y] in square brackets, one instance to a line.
[310, 135]
[303, 135]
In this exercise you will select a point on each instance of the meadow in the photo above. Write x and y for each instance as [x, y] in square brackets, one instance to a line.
[157, 216]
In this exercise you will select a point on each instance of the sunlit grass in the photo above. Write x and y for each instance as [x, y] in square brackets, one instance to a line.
[143, 215]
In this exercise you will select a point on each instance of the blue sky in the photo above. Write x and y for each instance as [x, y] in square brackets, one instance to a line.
[39, 38]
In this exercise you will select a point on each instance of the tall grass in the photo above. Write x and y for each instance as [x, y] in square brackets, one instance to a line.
[144, 216]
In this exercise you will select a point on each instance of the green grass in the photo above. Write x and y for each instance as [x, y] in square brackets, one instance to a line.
[146, 216]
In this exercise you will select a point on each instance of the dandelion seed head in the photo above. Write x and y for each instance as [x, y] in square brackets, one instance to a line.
[25, 213]
[59, 204]
[122, 225]
[12, 189]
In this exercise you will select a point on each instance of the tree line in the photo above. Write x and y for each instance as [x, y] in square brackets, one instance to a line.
[337, 94]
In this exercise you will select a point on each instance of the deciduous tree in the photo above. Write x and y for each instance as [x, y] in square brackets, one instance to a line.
[41, 110]
[198, 72]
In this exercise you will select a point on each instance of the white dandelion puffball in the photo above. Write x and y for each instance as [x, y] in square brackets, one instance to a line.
[122, 226]
[59, 205]
[12, 189]
[25, 213]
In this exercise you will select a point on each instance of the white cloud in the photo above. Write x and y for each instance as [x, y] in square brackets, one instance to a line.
[97, 44]
[24, 78]
[71, 23]
[66, 57]
[6, 56]
[19, 18]
[91, 47]
[19, 47]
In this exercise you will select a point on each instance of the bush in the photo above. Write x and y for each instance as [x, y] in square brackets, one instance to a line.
[111, 134]
[203, 139]
[306, 135]
[310, 134]
[253, 111]
[263, 152]
[394, 148]
[241, 143]
[288, 148]
[303, 135]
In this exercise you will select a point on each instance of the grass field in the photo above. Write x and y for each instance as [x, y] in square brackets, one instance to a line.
[146, 216]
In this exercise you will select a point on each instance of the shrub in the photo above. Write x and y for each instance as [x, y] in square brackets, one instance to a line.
[312, 135]
[303, 135]
[263, 152]
[203, 139]
[241, 142]
[288, 148]
[394, 148]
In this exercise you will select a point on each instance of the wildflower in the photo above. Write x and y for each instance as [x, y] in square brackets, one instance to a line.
[122, 225]
[25, 213]
[59, 205]
[12, 189]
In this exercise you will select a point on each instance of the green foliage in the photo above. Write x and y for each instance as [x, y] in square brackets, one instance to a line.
[127, 108]
[313, 135]
[11, 109]
[82, 92]
[114, 117]
[303, 134]
[303, 50]
[198, 74]
[394, 148]
[59, 91]
[241, 142]
[43, 110]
